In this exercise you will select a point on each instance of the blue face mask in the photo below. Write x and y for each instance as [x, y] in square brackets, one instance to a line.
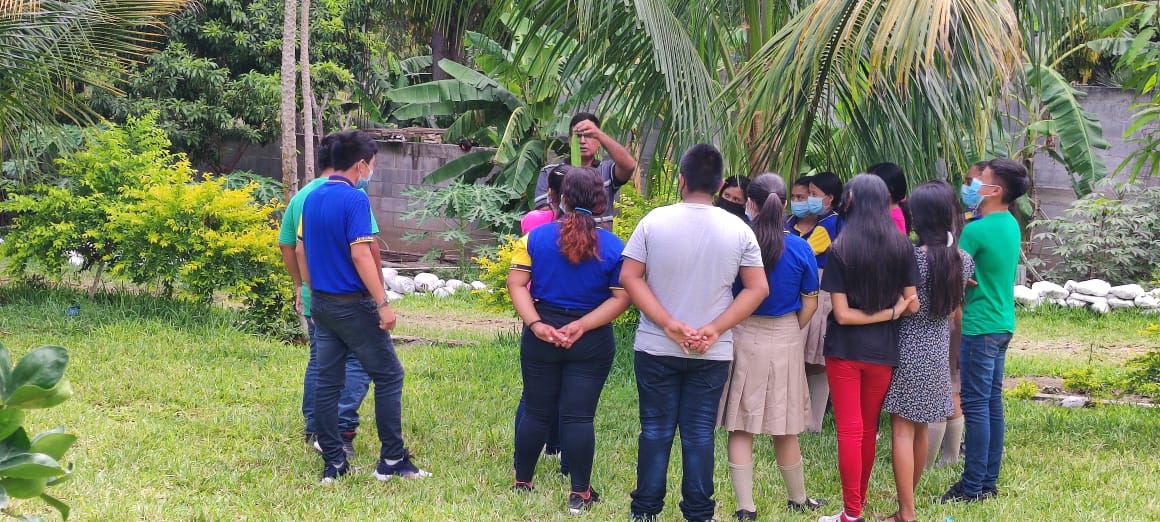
[800, 209]
[364, 182]
[970, 193]
[749, 214]
[814, 205]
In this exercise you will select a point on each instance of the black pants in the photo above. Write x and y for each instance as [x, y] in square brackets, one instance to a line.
[565, 383]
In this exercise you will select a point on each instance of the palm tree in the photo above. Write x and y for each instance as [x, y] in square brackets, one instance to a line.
[51, 51]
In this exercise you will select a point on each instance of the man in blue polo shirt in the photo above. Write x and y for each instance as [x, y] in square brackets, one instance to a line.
[350, 309]
[356, 379]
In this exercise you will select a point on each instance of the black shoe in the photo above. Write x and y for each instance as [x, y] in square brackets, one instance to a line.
[641, 517]
[989, 492]
[522, 486]
[577, 503]
[742, 514]
[956, 494]
[404, 468]
[810, 504]
[331, 472]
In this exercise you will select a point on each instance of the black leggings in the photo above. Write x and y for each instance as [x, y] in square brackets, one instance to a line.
[567, 383]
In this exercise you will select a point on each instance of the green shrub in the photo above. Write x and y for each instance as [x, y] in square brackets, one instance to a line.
[631, 206]
[1024, 390]
[493, 271]
[134, 209]
[1113, 235]
[30, 465]
[465, 207]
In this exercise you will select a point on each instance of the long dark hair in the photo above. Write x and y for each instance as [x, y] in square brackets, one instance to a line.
[831, 185]
[875, 254]
[583, 191]
[934, 211]
[767, 191]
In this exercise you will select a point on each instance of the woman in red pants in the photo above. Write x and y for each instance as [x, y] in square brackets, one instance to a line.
[871, 275]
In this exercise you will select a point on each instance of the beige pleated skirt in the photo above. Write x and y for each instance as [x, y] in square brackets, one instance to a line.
[766, 392]
[815, 331]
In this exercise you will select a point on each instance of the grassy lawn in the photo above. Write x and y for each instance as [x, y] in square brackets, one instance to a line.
[181, 416]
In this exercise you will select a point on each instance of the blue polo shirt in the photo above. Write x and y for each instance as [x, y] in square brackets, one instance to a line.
[794, 275]
[559, 283]
[335, 216]
[821, 237]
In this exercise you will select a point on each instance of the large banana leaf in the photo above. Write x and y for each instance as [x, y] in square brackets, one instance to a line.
[1079, 131]
[461, 166]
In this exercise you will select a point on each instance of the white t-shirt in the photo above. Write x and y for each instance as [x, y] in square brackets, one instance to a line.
[692, 254]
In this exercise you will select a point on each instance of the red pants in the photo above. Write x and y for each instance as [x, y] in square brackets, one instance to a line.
[857, 390]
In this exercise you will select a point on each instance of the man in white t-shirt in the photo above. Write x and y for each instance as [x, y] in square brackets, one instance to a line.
[679, 268]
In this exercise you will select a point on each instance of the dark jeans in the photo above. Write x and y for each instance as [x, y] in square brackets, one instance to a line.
[352, 395]
[565, 383]
[684, 392]
[343, 327]
[981, 360]
[552, 443]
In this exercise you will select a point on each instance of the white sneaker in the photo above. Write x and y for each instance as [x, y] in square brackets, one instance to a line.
[838, 517]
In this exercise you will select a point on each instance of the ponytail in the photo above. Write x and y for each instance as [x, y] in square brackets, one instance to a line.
[583, 191]
[578, 239]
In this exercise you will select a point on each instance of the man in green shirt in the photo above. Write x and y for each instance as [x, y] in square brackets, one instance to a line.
[988, 324]
[357, 381]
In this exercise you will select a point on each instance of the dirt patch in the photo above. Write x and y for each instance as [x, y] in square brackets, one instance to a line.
[1046, 384]
[457, 325]
[1073, 348]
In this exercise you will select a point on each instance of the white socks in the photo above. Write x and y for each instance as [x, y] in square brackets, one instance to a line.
[951, 442]
[819, 395]
[795, 482]
[742, 477]
[934, 440]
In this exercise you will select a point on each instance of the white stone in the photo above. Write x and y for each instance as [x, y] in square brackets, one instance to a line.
[1026, 296]
[454, 284]
[390, 273]
[402, 284]
[1074, 402]
[1075, 303]
[1093, 287]
[1127, 292]
[1116, 302]
[1069, 285]
[1049, 290]
[426, 277]
[1147, 301]
[443, 291]
[478, 285]
[1089, 299]
[1060, 302]
[1155, 293]
[393, 296]
[1101, 306]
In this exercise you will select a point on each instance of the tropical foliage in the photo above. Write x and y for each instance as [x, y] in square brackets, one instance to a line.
[32, 464]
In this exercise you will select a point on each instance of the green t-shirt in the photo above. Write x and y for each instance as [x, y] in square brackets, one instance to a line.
[993, 241]
[288, 233]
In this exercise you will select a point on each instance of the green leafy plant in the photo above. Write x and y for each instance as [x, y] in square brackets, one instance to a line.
[466, 207]
[265, 191]
[1112, 234]
[1024, 390]
[30, 465]
[1086, 381]
[493, 271]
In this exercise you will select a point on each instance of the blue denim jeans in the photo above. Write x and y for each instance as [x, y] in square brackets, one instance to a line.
[352, 395]
[981, 360]
[677, 392]
[345, 327]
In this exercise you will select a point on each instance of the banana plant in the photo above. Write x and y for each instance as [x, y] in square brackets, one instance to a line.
[30, 465]
[512, 105]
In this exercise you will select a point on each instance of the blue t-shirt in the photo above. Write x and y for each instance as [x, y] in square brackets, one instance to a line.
[795, 275]
[559, 283]
[334, 217]
[821, 237]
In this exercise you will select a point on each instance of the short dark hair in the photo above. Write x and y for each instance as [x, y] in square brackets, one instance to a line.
[980, 165]
[322, 154]
[1011, 175]
[740, 182]
[895, 180]
[804, 181]
[830, 184]
[351, 147]
[581, 116]
[702, 167]
[556, 177]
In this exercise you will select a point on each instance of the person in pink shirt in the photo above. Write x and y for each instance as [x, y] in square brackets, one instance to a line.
[896, 183]
[547, 213]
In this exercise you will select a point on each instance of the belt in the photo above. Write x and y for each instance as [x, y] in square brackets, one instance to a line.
[353, 296]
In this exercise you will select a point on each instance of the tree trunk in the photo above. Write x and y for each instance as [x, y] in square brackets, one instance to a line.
[289, 116]
[447, 35]
[307, 95]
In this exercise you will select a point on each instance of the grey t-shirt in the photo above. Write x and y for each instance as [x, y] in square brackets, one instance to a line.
[692, 254]
[611, 185]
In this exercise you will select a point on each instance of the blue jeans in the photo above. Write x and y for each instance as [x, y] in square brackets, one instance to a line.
[352, 395]
[676, 391]
[343, 327]
[552, 443]
[981, 360]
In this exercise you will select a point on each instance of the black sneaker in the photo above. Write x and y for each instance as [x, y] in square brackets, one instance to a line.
[577, 503]
[810, 504]
[641, 517]
[956, 494]
[331, 472]
[742, 514]
[403, 468]
[990, 492]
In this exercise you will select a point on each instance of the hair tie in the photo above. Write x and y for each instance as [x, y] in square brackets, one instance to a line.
[950, 238]
[582, 209]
